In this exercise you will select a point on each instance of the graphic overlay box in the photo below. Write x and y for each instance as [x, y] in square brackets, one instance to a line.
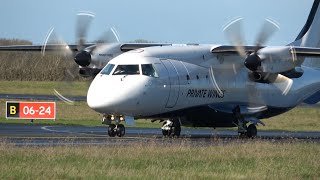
[30, 110]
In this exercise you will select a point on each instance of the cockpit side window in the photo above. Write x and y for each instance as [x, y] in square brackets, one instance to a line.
[148, 70]
[107, 69]
[127, 70]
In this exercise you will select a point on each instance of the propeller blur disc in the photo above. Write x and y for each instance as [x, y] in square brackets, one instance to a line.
[84, 20]
[233, 32]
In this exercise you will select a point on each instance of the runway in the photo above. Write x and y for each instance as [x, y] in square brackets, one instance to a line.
[39, 135]
[79, 98]
[39, 97]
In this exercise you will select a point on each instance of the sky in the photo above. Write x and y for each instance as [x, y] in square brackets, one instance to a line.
[165, 21]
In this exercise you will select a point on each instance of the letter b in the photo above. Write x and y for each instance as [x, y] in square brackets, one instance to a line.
[13, 110]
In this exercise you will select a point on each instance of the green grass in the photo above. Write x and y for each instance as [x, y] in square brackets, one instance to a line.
[43, 88]
[249, 160]
[298, 119]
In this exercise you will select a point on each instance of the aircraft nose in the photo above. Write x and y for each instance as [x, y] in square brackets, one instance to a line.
[109, 95]
[94, 103]
[96, 98]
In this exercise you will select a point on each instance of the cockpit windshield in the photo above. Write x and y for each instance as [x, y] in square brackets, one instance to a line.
[148, 70]
[107, 69]
[127, 70]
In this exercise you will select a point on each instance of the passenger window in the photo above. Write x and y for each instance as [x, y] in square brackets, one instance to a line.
[127, 70]
[148, 70]
[107, 69]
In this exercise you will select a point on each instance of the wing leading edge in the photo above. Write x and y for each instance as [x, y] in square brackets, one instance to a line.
[299, 51]
[56, 47]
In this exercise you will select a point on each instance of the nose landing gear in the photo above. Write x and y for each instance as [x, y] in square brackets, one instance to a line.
[116, 129]
[171, 127]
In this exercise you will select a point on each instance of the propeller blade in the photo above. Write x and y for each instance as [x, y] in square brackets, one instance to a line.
[108, 40]
[110, 36]
[84, 20]
[220, 78]
[268, 29]
[52, 38]
[256, 102]
[64, 90]
[214, 80]
[233, 32]
[283, 83]
[253, 61]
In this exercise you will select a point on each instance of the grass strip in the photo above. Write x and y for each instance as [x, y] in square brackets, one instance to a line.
[248, 160]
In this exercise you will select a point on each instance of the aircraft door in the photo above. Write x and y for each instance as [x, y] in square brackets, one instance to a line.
[174, 83]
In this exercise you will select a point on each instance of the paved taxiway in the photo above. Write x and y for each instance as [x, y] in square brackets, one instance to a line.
[39, 135]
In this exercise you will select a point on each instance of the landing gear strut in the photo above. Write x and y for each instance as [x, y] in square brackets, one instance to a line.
[243, 130]
[116, 129]
[171, 127]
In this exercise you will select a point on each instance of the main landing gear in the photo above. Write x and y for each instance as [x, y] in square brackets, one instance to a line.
[116, 129]
[171, 127]
[244, 130]
[249, 132]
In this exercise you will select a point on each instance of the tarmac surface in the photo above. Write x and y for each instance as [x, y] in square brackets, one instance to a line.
[75, 98]
[39, 135]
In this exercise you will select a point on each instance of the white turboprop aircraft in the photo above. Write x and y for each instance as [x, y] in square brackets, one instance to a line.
[199, 85]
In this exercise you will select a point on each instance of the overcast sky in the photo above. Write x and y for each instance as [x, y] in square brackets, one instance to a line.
[177, 21]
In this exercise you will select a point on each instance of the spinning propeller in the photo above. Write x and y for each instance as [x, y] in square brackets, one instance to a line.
[264, 64]
[260, 60]
[84, 58]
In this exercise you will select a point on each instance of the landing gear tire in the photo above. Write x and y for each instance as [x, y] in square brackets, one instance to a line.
[176, 130]
[171, 128]
[252, 131]
[111, 130]
[166, 132]
[121, 131]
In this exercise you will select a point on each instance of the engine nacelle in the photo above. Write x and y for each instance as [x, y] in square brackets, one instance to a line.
[97, 56]
[103, 53]
[277, 59]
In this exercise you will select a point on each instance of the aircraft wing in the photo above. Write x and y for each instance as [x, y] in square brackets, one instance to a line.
[306, 51]
[226, 49]
[56, 47]
[131, 46]
[49, 47]
[298, 50]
